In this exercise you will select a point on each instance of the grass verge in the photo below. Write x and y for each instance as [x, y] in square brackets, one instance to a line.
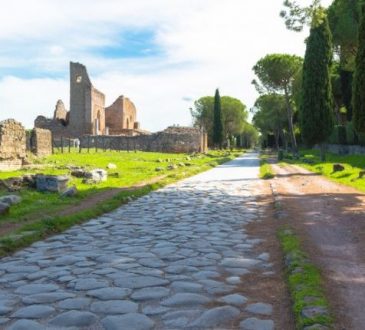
[305, 284]
[266, 171]
[352, 164]
[52, 224]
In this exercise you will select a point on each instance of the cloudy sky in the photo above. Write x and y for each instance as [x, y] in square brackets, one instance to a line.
[162, 54]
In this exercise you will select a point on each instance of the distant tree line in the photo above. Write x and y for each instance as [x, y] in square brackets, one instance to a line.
[225, 121]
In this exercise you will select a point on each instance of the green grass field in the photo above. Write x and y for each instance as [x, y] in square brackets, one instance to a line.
[38, 213]
[350, 176]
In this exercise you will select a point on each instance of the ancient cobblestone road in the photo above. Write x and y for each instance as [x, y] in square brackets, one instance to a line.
[169, 260]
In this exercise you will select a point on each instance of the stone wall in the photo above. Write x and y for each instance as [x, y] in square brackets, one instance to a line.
[173, 139]
[41, 142]
[345, 149]
[12, 144]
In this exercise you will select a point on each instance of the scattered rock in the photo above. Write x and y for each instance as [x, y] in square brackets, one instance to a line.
[172, 167]
[10, 199]
[159, 169]
[51, 183]
[70, 192]
[96, 176]
[78, 173]
[361, 174]
[314, 311]
[338, 168]
[4, 208]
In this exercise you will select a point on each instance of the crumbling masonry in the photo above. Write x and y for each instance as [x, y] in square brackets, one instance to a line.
[88, 115]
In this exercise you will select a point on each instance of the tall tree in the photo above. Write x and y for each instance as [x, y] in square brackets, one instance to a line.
[277, 73]
[270, 116]
[359, 80]
[316, 115]
[234, 116]
[217, 124]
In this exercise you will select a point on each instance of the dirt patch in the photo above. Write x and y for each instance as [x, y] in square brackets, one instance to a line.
[7, 227]
[329, 219]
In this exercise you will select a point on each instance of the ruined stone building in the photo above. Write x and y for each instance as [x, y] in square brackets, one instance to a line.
[88, 114]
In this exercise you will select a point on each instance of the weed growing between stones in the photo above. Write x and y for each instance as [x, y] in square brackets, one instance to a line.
[305, 284]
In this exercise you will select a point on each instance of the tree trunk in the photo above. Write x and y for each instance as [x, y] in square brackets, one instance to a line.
[276, 135]
[289, 111]
[322, 147]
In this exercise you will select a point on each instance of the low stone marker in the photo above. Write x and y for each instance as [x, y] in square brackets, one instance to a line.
[51, 183]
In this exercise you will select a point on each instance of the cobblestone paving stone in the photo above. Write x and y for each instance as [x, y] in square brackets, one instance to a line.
[169, 260]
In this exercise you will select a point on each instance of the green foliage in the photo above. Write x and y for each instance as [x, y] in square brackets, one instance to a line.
[217, 122]
[304, 281]
[270, 115]
[249, 136]
[316, 116]
[344, 17]
[350, 133]
[297, 16]
[233, 111]
[277, 74]
[266, 171]
[339, 135]
[358, 97]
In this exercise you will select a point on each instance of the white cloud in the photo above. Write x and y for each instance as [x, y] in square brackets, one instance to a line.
[205, 44]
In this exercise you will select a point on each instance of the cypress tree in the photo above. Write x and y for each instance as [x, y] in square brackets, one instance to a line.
[316, 116]
[358, 93]
[217, 124]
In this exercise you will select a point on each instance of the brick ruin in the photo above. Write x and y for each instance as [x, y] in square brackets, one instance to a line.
[172, 139]
[12, 144]
[88, 114]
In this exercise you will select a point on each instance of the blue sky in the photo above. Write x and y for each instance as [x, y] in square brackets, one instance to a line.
[163, 54]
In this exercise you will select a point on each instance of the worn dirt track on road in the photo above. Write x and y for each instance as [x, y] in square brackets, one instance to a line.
[330, 219]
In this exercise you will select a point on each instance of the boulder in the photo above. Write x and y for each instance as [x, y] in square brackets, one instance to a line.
[159, 169]
[4, 208]
[29, 181]
[78, 173]
[172, 167]
[10, 199]
[51, 183]
[96, 176]
[361, 174]
[111, 166]
[338, 168]
[70, 192]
